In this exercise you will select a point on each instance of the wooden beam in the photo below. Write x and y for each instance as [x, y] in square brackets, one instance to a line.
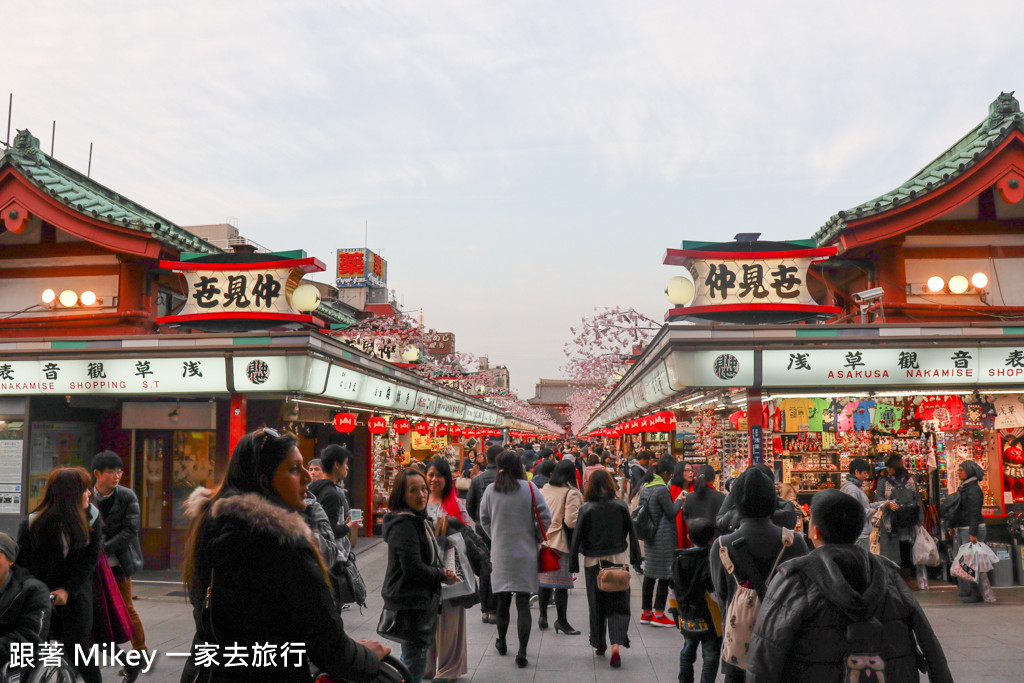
[11, 251]
[963, 252]
[60, 271]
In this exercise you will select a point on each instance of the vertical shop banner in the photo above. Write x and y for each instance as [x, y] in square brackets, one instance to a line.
[757, 444]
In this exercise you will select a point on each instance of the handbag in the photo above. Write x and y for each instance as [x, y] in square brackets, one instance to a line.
[457, 559]
[348, 582]
[413, 627]
[925, 551]
[613, 578]
[547, 558]
[463, 483]
[111, 622]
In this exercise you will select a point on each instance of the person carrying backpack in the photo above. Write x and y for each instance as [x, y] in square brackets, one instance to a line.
[901, 517]
[841, 613]
[754, 550]
[698, 616]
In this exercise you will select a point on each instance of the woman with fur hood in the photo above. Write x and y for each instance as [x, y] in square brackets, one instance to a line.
[255, 576]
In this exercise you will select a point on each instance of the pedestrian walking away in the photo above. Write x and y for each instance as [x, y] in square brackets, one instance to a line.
[698, 616]
[605, 536]
[488, 603]
[659, 550]
[508, 514]
[564, 500]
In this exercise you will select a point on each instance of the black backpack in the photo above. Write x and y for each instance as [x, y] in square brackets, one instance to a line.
[909, 501]
[643, 522]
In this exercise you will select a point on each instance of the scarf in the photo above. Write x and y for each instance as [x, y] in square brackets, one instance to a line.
[657, 481]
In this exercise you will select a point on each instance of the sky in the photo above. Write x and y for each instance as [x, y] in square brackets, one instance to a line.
[518, 164]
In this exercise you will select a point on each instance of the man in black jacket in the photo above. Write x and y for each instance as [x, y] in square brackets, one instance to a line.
[841, 612]
[121, 521]
[24, 603]
[334, 461]
[488, 603]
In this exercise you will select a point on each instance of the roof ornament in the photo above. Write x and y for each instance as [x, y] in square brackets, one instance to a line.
[26, 146]
[1005, 105]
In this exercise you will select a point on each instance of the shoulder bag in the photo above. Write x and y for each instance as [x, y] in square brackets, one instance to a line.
[612, 578]
[547, 558]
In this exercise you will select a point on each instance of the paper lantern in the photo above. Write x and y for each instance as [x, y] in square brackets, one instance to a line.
[455, 431]
[377, 425]
[423, 428]
[402, 426]
[441, 430]
[345, 422]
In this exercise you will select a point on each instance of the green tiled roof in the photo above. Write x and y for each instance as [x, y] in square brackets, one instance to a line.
[85, 195]
[1004, 117]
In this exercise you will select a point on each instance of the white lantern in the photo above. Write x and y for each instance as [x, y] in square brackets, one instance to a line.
[935, 283]
[48, 296]
[306, 298]
[979, 280]
[411, 354]
[88, 298]
[679, 290]
[68, 298]
[958, 284]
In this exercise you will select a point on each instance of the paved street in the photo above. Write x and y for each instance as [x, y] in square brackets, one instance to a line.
[981, 641]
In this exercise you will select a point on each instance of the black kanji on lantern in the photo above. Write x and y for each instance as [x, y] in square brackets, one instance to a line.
[267, 288]
[785, 282]
[720, 278]
[753, 281]
[206, 291]
[236, 294]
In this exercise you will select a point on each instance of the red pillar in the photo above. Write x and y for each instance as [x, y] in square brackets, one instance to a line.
[237, 420]
[368, 514]
[755, 426]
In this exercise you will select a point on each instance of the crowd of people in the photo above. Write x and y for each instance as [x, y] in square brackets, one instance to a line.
[758, 595]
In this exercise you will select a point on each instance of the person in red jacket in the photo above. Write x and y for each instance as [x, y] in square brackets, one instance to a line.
[681, 482]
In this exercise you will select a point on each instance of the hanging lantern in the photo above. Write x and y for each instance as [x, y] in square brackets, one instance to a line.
[402, 426]
[423, 428]
[455, 431]
[377, 425]
[441, 430]
[664, 421]
[345, 422]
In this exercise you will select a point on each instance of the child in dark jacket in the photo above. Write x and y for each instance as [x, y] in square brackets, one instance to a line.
[698, 616]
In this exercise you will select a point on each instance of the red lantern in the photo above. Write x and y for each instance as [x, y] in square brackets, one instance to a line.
[377, 425]
[455, 431]
[441, 430]
[345, 422]
[402, 426]
[423, 428]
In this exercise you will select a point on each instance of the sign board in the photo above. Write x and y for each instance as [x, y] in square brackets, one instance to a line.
[728, 284]
[239, 294]
[757, 444]
[439, 343]
[361, 268]
[155, 376]
[872, 367]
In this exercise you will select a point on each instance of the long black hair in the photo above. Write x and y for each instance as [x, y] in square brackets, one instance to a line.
[445, 470]
[564, 475]
[510, 471]
[679, 474]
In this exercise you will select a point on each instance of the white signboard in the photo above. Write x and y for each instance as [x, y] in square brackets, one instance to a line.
[344, 383]
[871, 367]
[11, 454]
[157, 376]
[751, 281]
[377, 392]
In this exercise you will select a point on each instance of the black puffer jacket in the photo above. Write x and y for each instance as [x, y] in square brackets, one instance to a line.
[267, 585]
[801, 630]
[24, 611]
[603, 528]
[121, 522]
[729, 518]
[969, 513]
[414, 575]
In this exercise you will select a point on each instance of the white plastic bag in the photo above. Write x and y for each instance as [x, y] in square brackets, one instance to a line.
[926, 551]
[965, 564]
[986, 558]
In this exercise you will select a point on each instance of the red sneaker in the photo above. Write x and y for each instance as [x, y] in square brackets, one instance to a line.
[646, 617]
[662, 620]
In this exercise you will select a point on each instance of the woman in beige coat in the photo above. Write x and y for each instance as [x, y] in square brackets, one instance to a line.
[564, 499]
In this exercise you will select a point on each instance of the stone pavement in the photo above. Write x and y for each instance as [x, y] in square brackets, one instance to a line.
[981, 641]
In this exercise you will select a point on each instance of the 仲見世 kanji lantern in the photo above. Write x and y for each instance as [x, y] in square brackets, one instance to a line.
[345, 422]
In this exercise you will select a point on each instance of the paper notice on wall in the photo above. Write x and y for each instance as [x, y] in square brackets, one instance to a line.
[10, 503]
[11, 453]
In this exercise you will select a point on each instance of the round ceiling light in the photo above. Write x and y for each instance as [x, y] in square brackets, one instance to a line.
[88, 298]
[958, 284]
[48, 296]
[935, 283]
[68, 298]
[979, 280]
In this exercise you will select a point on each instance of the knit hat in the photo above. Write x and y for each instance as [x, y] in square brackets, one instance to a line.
[754, 493]
[8, 546]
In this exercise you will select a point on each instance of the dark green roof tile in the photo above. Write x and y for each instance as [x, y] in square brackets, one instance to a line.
[1004, 118]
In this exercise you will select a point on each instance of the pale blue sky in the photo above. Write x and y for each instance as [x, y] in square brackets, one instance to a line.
[518, 163]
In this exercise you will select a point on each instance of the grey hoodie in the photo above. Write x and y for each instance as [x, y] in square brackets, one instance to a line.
[852, 486]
